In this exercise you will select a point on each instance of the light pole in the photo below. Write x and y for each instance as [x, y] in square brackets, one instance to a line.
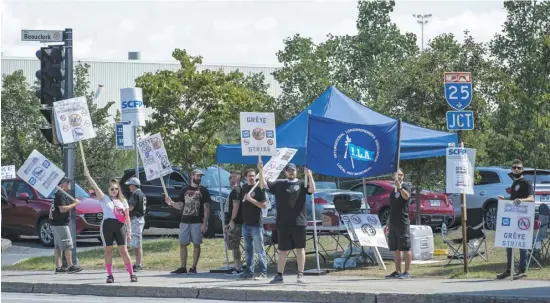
[422, 19]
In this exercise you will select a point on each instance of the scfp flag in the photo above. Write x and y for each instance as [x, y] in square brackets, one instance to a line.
[346, 150]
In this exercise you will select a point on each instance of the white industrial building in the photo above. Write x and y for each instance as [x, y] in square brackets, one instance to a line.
[114, 75]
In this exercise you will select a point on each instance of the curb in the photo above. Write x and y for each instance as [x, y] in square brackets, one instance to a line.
[239, 294]
[5, 244]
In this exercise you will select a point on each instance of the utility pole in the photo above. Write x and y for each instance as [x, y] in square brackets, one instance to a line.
[422, 19]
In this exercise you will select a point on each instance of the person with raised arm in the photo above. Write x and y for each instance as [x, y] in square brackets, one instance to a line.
[115, 225]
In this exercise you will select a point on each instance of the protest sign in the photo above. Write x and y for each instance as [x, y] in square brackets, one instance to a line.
[460, 170]
[258, 137]
[154, 157]
[40, 173]
[131, 106]
[515, 223]
[275, 165]
[8, 172]
[73, 121]
[366, 229]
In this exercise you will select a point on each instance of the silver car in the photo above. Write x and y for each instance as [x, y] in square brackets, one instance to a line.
[496, 181]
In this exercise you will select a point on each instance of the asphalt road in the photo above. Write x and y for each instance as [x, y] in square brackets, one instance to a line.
[43, 298]
[29, 247]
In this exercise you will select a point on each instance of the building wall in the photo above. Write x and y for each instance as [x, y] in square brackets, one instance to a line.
[114, 75]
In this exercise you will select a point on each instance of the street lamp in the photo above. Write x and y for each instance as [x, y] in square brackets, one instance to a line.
[422, 19]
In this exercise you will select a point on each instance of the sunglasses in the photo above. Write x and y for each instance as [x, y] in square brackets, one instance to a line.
[517, 167]
[113, 188]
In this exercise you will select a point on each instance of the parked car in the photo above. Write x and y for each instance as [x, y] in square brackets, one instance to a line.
[496, 181]
[159, 214]
[325, 194]
[25, 212]
[435, 207]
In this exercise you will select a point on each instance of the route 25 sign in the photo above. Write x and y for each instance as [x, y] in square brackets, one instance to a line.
[458, 89]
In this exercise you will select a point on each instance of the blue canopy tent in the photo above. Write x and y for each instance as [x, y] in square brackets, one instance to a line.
[416, 142]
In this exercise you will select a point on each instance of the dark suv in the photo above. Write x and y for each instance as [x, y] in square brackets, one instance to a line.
[159, 214]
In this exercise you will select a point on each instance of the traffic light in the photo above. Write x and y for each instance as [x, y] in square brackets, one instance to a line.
[52, 81]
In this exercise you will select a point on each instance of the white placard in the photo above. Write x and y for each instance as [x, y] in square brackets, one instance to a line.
[460, 170]
[40, 173]
[8, 172]
[258, 135]
[515, 224]
[275, 165]
[131, 105]
[124, 135]
[365, 229]
[154, 157]
[73, 121]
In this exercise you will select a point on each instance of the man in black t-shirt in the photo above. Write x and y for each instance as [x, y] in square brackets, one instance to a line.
[399, 239]
[138, 204]
[522, 191]
[63, 240]
[195, 208]
[253, 230]
[290, 196]
[234, 221]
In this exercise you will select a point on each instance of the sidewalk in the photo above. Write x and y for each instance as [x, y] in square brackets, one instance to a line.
[331, 288]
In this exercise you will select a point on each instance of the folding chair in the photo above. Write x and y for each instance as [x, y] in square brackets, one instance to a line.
[475, 231]
[540, 236]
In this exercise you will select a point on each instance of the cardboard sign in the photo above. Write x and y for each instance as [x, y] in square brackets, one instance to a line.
[275, 165]
[154, 157]
[258, 137]
[40, 173]
[460, 170]
[365, 229]
[73, 121]
[8, 172]
[131, 105]
[515, 224]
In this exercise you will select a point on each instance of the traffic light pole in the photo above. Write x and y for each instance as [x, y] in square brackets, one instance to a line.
[69, 149]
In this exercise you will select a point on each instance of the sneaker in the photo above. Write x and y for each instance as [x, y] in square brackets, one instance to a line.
[503, 275]
[192, 271]
[260, 277]
[181, 270]
[246, 276]
[278, 279]
[405, 275]
[60, 270]
[133, 278]
[300, 278]
[521, 274]
[393, 275]
[73, 269]
[110, 279]
[234, 272]
[137, 268]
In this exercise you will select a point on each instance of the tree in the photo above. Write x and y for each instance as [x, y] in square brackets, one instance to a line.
[192, 110]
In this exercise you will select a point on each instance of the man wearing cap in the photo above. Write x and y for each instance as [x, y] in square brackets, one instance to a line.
[195, 206]
[291, 222]
[63, 240]
[138, 204]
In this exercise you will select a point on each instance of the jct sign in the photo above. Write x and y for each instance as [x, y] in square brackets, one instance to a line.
[515, 224]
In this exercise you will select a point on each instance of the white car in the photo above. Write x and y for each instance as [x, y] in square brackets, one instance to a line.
[496, 181]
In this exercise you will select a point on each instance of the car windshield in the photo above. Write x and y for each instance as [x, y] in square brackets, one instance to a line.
[325, 185]
[543, 177]
[80, 193]
[210, 178]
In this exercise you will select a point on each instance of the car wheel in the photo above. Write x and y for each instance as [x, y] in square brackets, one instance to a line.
[384, 216]
[491, 216]
[45, 232]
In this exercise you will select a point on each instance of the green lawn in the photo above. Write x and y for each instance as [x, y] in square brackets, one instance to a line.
[163, 254]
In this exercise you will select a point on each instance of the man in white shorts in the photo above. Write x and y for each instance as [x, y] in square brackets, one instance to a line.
[138, 204]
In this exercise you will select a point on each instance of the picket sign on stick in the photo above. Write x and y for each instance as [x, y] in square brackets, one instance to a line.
[66, 194]
[163, 186]
[82, 153]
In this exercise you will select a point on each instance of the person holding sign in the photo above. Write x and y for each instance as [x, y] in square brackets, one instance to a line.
[399, 238]
[291, 223]
[63, 240]
[115, 225]
[194, 220]
[522, 191]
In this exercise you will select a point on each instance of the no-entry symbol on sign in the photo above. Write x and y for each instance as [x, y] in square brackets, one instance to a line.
[524, 223]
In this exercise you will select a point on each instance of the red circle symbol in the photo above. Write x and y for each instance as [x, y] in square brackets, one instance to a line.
[270, 142]
[524, 223]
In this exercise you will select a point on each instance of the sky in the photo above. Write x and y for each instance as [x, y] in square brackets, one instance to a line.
[222, 32]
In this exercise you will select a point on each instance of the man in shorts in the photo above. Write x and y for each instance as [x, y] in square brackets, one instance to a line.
[138, 204]
[195, 208]
[63, 240]
[399, 224]
[234, 220]
[291, 222]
